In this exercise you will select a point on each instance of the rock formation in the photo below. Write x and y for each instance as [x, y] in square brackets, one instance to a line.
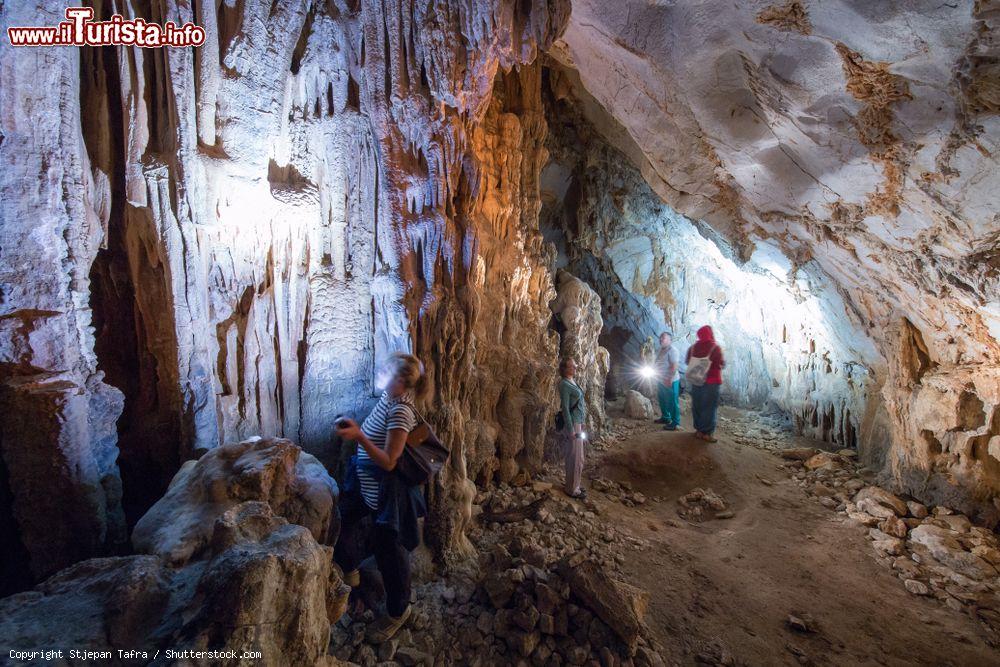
[225, 241]
[789, 339]
[858, 142]
[265, 586]
[203, 245]
[293, 484]
[226, 570]
[579, 311]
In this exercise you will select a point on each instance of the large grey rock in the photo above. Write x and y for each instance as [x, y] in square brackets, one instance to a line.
[638, 406]
[294, 484]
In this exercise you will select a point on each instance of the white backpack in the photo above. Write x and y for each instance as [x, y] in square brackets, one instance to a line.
[697, 369]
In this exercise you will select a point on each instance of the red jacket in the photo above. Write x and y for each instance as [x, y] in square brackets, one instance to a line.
[705, 343]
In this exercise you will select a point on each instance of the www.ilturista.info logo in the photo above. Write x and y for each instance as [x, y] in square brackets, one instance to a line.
[80, 30]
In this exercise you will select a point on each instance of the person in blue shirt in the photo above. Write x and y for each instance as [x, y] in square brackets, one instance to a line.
[668, 382]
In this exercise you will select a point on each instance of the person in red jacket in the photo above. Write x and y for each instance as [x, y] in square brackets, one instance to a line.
[705, 398]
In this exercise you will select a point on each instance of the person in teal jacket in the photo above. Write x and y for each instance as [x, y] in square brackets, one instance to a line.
[574, 413]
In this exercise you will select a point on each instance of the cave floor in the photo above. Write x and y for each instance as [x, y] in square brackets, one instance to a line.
[721, 590]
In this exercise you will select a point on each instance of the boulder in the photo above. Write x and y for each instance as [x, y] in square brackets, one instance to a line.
[947, 550]
[621, 606]
[638, 406]
[265, 585]
[295, 485]
[878, 502]
[824, 461]
[798, 453]
[860, 516]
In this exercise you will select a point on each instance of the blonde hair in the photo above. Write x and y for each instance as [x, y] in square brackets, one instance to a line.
[410, 370]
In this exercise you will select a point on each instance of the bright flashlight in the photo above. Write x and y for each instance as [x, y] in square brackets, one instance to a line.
[647, 372]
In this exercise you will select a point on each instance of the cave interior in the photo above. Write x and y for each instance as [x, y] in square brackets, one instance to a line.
[202, 246]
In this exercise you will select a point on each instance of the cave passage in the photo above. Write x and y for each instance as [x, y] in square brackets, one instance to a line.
[702, 300]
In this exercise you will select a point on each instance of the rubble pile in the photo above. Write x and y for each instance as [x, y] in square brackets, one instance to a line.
[620, 491]
[547, 591]
[622, 426]
[935, 551]
[770, 432]
[703, 504]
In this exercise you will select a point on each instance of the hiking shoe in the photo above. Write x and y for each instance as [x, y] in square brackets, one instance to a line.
[707, 437]
[669, 427]
[579, 495]
[385, 627]
[661, 420]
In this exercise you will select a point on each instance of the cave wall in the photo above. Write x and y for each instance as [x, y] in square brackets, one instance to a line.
[859, 136]
[248, 228]
[791, 343]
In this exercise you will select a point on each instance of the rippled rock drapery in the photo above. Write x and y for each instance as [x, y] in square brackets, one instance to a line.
[859, 137]
[321, 184]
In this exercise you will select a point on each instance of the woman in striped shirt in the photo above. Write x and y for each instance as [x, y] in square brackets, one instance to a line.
[371, 490]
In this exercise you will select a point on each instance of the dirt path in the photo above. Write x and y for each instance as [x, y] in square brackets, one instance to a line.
[721, 590]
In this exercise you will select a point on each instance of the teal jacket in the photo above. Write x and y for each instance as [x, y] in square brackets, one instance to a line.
[572, 403]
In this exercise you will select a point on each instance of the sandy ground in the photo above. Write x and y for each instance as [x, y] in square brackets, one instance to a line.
[721, 591]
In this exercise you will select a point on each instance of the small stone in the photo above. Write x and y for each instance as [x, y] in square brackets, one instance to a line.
[387, 650]
[727, 514]
[800, 623]
[541, 487]
[894, 526]
[916, 587]
[409, 657]
[916, 509]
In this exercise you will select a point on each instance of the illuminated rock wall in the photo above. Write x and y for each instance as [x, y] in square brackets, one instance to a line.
[207, 244]
[791, 343]
[860, 137]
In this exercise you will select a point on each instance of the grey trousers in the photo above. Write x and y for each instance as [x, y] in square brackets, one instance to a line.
[574, 462]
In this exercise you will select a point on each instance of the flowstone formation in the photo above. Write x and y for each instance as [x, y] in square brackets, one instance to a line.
[857, 138]
[226, 241]
[578, 308]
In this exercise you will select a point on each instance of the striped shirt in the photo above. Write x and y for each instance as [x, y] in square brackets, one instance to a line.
[389, 413]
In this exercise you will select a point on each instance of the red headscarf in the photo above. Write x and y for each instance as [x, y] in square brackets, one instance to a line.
[706, 345]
